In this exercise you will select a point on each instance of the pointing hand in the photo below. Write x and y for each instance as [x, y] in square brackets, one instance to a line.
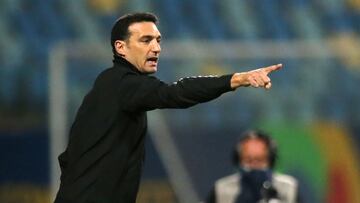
[255, 78]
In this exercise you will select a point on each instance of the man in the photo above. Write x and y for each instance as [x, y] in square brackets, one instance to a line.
[104, 157]
[254, 156]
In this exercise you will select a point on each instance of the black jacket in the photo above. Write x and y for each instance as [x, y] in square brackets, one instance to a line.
[104, 156]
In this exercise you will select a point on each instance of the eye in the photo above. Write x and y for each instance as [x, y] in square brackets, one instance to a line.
[146, 40]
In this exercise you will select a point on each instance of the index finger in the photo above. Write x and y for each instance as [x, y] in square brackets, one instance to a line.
[272, 68]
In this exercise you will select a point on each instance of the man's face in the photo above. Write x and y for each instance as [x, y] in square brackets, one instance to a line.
[142, 49]
[254, 154]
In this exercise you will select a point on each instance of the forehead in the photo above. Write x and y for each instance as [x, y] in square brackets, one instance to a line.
[254, 146]
[144, 28]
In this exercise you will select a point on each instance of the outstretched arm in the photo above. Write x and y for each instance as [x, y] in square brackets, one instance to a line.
[255, 78]
[149, 93]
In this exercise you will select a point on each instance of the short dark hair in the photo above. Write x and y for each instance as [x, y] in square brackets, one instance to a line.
[256, 134]
[120, 30]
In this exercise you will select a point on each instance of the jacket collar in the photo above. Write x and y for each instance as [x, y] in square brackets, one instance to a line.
[123, 63]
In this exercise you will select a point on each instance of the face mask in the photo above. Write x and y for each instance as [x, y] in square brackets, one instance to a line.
[256, 185]
[255, 178]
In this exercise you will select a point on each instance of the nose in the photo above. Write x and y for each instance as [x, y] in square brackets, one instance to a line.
[156, 47]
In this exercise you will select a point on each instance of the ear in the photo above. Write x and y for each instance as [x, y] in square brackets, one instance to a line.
[120, 47]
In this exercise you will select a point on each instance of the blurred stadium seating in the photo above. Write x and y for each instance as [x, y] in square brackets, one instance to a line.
[313, 95]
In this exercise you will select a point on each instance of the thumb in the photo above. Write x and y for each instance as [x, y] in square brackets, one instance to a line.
[268, 85]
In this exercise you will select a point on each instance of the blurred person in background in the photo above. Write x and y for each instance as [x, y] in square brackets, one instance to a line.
[254, 156]
[103, 161]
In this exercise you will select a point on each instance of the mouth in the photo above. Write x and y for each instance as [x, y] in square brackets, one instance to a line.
[152, 60]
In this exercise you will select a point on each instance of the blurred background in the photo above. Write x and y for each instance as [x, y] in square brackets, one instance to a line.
[52, 50]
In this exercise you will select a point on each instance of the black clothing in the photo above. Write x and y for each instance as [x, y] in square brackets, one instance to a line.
[104, 156]
[252, 184]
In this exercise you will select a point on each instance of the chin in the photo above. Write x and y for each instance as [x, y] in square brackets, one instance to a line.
[151, 70]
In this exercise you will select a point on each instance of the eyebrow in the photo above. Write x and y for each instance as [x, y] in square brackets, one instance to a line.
[150, 37]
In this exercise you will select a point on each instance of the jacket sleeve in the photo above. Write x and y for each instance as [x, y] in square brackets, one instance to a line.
[141, 92]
